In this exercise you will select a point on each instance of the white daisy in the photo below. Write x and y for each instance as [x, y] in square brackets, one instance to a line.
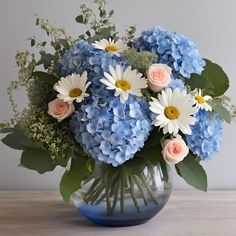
[111, 46]
[174, 111]
[124, 82]
[72, 87]
[201, 101]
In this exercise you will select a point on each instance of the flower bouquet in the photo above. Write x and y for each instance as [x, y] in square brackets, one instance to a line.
[116, 111]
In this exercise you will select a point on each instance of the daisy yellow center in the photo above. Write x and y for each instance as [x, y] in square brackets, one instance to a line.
[75, 92]
[171, 112]
[200, 99]
[111, 48]
[123, 84]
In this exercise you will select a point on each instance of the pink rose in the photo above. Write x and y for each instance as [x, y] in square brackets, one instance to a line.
[175, 150]
[159, 76]
[59, 109]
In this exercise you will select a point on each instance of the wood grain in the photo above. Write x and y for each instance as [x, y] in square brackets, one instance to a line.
[188, 213]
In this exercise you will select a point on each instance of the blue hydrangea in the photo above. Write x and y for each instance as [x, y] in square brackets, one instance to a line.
[206, 135]
[84, 57]
[107, 130]
[112, 132]
[177, 83]
[173, 49]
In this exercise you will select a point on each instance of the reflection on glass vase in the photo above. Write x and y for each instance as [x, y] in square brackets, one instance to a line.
[113, 197]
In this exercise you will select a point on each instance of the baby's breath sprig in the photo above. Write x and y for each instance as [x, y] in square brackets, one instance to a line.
[55, 137]
[140, 60]
[130, 34]
[227, 103]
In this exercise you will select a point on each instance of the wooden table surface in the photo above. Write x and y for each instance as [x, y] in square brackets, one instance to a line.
[188, 213]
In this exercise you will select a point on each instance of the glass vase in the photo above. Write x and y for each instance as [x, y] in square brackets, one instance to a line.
[113, 197]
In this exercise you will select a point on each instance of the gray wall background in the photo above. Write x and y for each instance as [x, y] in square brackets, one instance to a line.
[209, 23]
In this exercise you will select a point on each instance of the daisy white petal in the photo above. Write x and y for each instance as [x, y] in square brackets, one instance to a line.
[201, 101]
[72, 87]
[124, 82]
[174, 111]
[109, 77]
[111, 46]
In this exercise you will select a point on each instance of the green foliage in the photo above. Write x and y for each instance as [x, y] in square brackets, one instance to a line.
[46, 77]
[56, 33]
[140, 60]
[192, 172]
[60, 41]
[164, 169]
[40, 93]
[80, 19]
[33, 157]
[47, 59]
[26, 63]
[104, 33]
[220, 110]
[71, 180]
[99, 25]
[49, 134]
[227, 103]
[213, 80]
[17, 140]
[197, 81]
[152, 148]
[37, 159]
[134, 166]
[217, 76]
[130, 31]
[6, 130]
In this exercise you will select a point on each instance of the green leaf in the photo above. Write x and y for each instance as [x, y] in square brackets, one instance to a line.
[134, 166]
[221, 111]
[164, 169]
[151, 154]
[192, 172]
[64, 43]
[154, 138]
[18, 141]
[37, 21]
[104, 33]
[37, 159]
[32, 42]
[178, 171]
[102, 12]
[111, 13]
[215, 74]
[79, 19]
[88, 33]
[71, 180]
[44, 76]
[56, 45]
[7, 130]
[152, 148]
[197, 81]
[94, 38]
[46, 59]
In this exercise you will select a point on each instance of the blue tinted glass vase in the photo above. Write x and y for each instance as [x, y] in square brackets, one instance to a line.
[117, 198]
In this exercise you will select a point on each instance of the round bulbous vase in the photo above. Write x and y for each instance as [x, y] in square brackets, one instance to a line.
[113, 197]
